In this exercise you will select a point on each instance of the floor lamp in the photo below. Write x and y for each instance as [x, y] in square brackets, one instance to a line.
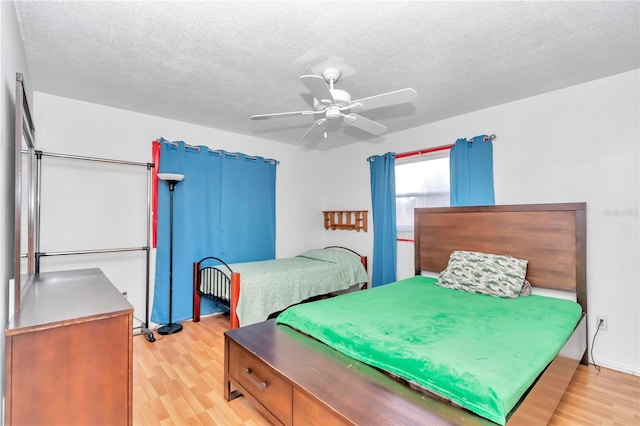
[172, 180]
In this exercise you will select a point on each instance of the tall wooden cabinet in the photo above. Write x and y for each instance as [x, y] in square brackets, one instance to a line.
[69, 355]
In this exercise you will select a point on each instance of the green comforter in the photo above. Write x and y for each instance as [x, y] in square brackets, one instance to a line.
[479, 351]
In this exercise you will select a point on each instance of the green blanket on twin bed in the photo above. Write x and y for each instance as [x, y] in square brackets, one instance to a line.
[273, 285]
[481, 352]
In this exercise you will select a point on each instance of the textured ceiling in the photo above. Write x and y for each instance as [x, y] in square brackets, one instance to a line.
[217, 63]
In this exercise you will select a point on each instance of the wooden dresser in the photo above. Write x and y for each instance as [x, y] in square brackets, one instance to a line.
[69, 353]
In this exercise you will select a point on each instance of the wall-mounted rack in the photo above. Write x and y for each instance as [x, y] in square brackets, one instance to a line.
[345, 219]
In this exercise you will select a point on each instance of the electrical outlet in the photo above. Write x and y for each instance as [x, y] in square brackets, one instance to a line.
[601, 323]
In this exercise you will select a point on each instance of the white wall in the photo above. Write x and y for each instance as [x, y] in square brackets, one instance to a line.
[12, 60]
[347, 187]
[571, 145]
[92, 206]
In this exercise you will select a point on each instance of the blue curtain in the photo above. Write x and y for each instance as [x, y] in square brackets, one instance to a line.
[383, 201]
[471, 172]
[224, 207]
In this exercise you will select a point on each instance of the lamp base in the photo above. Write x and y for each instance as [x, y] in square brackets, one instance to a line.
[170, 329]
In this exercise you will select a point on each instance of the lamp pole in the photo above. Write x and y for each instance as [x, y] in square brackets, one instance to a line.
[172, 180]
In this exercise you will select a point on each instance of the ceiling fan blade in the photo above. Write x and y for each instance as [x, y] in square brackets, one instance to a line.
[385, 99]
[284, 114]
[318, 88]
[365, 124]
[315, 129]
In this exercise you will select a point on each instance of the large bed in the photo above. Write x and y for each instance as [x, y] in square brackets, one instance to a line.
[270, 286]
[296, 379]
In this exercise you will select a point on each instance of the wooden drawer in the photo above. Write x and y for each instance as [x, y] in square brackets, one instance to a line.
[261, 382]
[308, 411]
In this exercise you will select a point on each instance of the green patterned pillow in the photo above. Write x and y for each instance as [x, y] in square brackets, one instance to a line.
[492, 274]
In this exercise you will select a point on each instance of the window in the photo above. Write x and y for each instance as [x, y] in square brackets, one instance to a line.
[420, 182]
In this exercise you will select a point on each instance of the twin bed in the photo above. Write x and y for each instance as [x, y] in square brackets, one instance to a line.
[272, 285]
[464, 358]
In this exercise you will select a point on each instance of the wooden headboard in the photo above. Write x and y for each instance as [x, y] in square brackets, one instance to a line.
[552, 237]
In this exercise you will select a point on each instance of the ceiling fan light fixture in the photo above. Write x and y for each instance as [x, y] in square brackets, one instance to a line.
[333, 112]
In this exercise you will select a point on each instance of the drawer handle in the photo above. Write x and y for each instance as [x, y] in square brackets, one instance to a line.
[260, 384]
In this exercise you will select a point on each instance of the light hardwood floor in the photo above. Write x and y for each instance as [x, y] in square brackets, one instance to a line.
[178, 381]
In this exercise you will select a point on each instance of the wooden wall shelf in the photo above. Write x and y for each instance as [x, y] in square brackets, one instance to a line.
[345, 219]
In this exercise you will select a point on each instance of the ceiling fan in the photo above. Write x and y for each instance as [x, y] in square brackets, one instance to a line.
[331, 104]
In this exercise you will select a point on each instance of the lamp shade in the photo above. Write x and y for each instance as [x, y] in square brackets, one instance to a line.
[170, 177]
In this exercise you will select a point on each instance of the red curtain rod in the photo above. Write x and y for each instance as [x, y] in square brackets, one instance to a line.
[405, 240]
[436, 149]
[423, 151]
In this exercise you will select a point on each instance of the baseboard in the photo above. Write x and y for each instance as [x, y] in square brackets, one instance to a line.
[617, 365]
